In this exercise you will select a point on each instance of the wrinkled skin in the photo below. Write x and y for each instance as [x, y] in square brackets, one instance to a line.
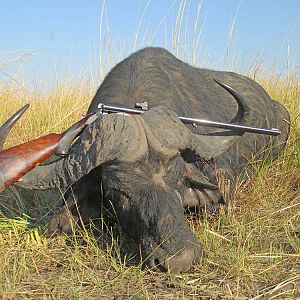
[148, 169]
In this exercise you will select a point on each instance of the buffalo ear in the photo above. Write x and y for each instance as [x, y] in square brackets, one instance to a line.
[193, 174]
[7, 126]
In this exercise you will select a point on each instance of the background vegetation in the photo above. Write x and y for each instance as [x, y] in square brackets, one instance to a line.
[253, 247]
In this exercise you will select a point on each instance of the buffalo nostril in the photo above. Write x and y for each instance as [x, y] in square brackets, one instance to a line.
[156, 262]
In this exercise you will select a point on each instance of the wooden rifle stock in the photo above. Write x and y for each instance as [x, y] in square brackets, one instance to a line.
[19, 160]
[15, 162]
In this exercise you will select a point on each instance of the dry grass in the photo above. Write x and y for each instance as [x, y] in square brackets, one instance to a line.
[253, 247]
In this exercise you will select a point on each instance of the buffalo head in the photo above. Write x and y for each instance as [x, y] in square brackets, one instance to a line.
[146, 166]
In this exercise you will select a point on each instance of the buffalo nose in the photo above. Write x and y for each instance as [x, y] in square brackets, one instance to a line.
[178, 263]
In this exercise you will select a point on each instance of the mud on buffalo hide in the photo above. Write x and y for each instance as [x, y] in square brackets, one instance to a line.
[149, 168]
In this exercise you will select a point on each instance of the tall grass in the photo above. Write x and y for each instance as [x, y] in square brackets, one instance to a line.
[253, 247]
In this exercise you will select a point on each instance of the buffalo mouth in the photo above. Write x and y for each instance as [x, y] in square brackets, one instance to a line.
[178, 250]
[180, 262]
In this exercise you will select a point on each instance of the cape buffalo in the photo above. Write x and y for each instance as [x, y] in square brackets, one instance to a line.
[152, 167]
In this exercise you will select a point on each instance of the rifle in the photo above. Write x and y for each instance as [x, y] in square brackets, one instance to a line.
[142, 107]
[15, 162]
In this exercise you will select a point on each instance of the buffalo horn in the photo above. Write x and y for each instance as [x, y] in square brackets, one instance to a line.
[7, 126]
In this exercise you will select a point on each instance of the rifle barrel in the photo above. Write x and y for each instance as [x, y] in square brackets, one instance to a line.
[108, 108]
